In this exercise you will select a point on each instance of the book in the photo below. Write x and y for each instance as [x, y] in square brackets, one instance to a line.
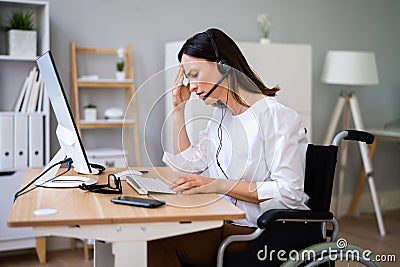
[20, 99]
[40, 100]
[33, 100]
[31, 79]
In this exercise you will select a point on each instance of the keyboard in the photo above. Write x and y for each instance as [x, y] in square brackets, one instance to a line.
[146, 185]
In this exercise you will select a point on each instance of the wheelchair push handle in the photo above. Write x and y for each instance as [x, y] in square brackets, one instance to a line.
[360, 136]
[354, 135]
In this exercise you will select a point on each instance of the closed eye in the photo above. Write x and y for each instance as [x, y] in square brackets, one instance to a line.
[192, 74]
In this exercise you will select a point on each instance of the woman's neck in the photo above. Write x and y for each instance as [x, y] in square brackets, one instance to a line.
[246, 97]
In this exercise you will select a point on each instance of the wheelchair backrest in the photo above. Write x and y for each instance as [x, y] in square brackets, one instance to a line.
[320, 172]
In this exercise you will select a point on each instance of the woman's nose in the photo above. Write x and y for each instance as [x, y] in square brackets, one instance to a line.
[192, 87]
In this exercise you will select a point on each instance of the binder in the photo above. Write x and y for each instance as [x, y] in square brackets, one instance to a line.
[6, 142]
[36, 140]
[20, 141]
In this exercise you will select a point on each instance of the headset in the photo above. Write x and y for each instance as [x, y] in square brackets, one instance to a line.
[224, 69]
[223, 66]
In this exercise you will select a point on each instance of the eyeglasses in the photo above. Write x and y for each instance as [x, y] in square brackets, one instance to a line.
[113, 183]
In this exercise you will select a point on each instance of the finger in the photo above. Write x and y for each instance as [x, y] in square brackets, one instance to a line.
[181, 180]
[193, 190]
[179, 76]
[179, 73]
[184, 183]
[184, 187]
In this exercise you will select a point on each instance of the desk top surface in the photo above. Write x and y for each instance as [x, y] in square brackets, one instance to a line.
[77, 207]
[385, 134]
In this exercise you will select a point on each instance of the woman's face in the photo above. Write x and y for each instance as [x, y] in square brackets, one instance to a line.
[202, 75]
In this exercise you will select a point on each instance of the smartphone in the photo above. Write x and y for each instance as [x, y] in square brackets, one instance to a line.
[137, 201]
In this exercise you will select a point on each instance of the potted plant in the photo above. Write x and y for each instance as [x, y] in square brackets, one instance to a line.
[120, 74]
[265, 22]
[90, 111]
[21, 34]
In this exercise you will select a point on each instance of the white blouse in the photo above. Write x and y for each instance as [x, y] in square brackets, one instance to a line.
[265, 144]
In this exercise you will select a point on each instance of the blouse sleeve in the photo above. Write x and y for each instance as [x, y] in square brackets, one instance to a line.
[193, 159]
[285, 146]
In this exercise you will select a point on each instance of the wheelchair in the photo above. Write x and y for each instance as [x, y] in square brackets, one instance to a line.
[286, 237]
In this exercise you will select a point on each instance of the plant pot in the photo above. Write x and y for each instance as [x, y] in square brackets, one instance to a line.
[22, 43]
[120, 75]
[265, 41]
[90, 114]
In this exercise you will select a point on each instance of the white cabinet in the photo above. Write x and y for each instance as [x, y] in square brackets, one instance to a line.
[109, 158]
[289, 66]
[12, 238]
[13, 71]
[286, 65]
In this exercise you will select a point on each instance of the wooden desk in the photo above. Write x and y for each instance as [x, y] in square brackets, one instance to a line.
[83, 214]
[380, 135]
[386, 135]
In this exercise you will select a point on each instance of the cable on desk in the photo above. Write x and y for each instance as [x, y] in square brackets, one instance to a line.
[21, 192]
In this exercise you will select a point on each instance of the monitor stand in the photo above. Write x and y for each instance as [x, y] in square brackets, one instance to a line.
[64, 181]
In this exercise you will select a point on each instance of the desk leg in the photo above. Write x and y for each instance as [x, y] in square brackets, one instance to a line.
[120, 254]
[102, 254]
[41, 249]
[126, 244]
[124, 251]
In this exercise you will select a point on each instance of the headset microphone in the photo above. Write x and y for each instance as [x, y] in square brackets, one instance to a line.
[216, 85]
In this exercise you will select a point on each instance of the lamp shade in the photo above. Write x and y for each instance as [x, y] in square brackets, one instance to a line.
[350, 68]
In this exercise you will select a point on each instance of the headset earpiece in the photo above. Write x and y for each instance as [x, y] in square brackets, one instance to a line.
[223, 66]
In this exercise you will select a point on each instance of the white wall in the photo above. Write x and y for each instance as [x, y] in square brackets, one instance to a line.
[325, 24]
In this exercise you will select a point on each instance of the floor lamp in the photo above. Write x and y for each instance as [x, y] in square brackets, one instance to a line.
[351, 68]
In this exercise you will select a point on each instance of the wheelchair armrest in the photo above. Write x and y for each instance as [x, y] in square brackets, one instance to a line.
[290, 214]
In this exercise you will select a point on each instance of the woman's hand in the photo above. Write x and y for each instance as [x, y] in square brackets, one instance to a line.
[192, 184]
[180, 93]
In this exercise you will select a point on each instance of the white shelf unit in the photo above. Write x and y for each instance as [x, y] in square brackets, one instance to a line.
[13, 71]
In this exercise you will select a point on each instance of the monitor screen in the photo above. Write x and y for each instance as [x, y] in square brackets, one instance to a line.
[67, 132]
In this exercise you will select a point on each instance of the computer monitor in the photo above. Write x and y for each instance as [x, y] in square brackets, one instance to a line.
[67, 132]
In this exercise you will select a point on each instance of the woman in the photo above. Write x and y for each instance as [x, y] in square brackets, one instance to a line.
[253, 147]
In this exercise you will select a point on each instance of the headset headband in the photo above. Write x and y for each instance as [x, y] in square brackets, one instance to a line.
[214, 45]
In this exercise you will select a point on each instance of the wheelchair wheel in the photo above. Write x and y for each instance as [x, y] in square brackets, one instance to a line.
[332, 254]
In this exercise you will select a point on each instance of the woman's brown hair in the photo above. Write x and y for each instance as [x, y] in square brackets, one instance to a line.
[200, 46]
